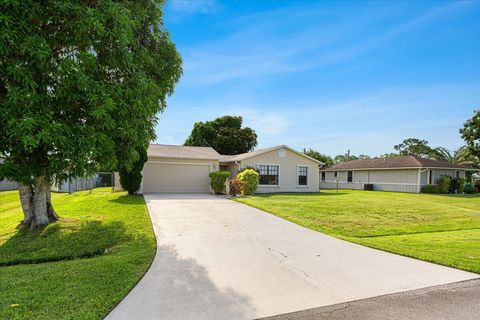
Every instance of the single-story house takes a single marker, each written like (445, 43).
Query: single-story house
(185, 169)
(402, 173)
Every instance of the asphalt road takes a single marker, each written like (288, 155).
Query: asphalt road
(456, 301)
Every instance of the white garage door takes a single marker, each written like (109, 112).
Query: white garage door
(176, 178)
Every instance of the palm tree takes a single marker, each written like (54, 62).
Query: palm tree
(460, 155)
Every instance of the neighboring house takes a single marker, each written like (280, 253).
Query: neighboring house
(186, 169)
(403, 173)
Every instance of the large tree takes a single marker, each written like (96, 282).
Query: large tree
(81, 83)
(415, 147)
(471, 134)
(224, 134)
(327, 160)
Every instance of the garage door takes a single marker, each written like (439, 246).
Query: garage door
(176, 178)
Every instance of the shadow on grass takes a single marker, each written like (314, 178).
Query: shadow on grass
(64, 240)
(129, 199)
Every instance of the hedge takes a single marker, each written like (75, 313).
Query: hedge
(249, 179)
(217, 180)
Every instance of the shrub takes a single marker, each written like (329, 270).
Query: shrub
(217, 180)
(249, 179)
(235, 186)
(476, 185)
(444, 184)
(469, 189)
(430, 188)
(247, 168)
(130, 179)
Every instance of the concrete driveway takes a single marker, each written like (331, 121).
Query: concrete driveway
(219, 259)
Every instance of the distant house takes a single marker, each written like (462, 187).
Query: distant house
(184, 169)
(402, 174)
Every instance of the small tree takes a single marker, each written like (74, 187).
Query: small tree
(444, 184)
(249, 179)
(131, 179)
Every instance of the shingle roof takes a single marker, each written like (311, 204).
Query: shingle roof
(182, 152)
(394, 162)
(247, 155)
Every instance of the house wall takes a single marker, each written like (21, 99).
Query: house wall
(288, 171)
(402, 180)
(399, 180)
(7, 185)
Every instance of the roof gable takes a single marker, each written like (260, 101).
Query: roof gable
(248, 155)
(182, 152)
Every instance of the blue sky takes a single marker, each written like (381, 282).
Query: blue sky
(330, 76)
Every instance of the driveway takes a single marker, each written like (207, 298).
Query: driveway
(219, 259)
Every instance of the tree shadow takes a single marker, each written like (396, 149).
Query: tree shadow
(64, 240)
(180, 288)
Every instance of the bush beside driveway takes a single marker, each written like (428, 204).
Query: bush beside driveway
(436, 228)
(80, 267)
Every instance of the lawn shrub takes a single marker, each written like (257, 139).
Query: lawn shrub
(469, 188)
(430, 188)
(444, 184)
(235, 186)
(217, 180)
(456, 185)
(249, 179)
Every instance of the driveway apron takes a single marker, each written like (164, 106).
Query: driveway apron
(219, 259)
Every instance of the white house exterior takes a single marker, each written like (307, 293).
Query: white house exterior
(185, 169)
(401, 174)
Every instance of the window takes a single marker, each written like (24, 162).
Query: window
(457, 174)
(323, 175)
(268, 175)
(302, 175)
(350, 176)
(335, 174)
(430, 176)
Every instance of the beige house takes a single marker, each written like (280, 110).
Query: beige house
(185, 169)
(402, 174)
(281, 168)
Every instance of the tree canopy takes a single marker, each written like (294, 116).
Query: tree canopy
(224, 134)
(471, 134)
(415, 147)
(81, 83)
(327, 160)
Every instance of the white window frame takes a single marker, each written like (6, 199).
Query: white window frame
(298, 175)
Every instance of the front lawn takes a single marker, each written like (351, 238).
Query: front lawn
(77, 268)
(438, 228)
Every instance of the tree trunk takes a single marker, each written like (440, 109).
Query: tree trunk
(26, 200)
(52, 215)
(37, 204)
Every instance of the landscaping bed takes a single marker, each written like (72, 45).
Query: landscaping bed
(443, 229)
(79, 267)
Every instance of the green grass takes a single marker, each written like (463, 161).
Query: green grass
(80, 267)
(437, 228)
